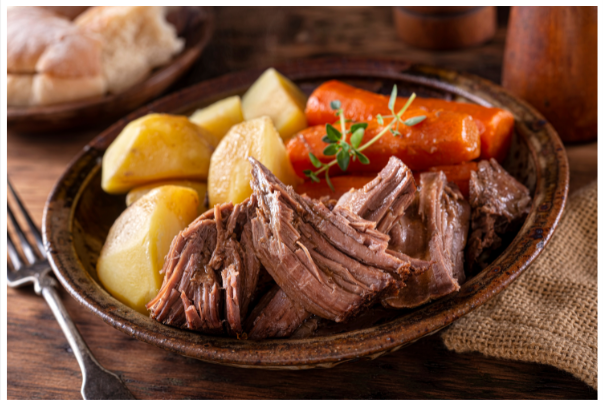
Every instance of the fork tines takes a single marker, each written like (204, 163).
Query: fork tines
(26, 246)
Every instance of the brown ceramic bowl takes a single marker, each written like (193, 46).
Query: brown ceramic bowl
(194, 24)
(79, 214)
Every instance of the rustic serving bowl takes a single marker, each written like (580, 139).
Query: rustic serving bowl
(78, 216)
(194, 24)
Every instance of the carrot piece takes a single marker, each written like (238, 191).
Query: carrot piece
(459, 174)
(443, 138)
(359, 104)
(341, 184)
(495, 125)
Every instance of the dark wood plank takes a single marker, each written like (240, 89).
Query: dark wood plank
(40, 362)
(41, 365)
(256, 37)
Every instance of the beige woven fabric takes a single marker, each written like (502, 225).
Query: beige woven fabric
(549, 315)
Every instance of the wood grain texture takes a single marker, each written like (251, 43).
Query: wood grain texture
(250, 37)
(40, 362)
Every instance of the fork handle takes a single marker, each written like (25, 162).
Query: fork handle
(97, 382)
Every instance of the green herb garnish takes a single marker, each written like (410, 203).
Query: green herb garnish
(344, 152)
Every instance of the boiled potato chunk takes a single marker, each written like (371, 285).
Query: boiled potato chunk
(219, 117)
(139, 240)
(199, 187)
(277, 97)
(230, 171)
(157, 147)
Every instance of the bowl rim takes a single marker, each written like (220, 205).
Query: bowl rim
(549, 199)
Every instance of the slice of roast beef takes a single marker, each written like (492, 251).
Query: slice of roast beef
(499, 205)
(434, 229)
(320, 259)
(384, 199)
(214, 251)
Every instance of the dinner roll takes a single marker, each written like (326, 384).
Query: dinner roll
(136, 39)
(66, 11)
(49, 59)
(19, 90)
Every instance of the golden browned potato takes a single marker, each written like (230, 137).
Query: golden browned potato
(230, 171)
(139, 240)
(199, 187)
(219, 117)
(157, 147)
(277, 97)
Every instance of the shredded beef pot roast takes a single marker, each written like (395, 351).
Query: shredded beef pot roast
(213, 252)
(325, 262)
(331, 261)
(381, 201)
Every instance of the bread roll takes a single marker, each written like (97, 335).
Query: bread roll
(136, 40)
(69, 12)
(49, 89)
(29, 31)
(66, 11)
(49, 59)
(19, 90)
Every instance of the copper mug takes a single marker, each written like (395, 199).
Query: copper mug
(551, 62)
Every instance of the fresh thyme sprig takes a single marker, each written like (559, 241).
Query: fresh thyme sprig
(345, 152)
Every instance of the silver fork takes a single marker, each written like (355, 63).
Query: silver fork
(97, 382)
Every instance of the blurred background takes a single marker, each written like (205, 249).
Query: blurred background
(256, 37)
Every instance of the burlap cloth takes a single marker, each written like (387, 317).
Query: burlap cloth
(549, 314)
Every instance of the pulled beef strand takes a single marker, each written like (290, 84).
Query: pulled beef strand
(211, 254)
(434, 229)
(190, 296)
(384, 199)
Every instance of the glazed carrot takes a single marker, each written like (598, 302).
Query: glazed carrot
(443, 138)
(495, 125)
(359, 104)
(459, 174)
(341, 184)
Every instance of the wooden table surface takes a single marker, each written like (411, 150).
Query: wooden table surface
(40, 362)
